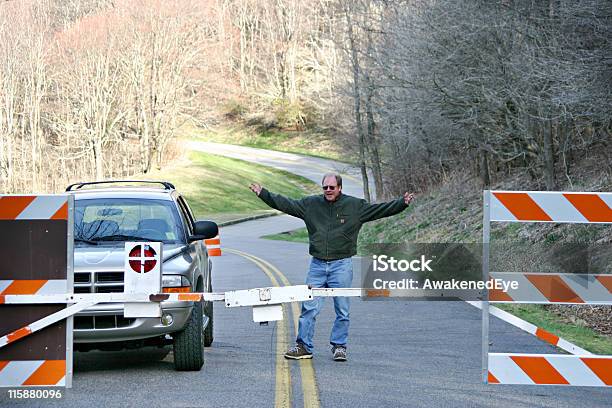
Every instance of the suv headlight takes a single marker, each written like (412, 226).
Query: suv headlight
(175, 283)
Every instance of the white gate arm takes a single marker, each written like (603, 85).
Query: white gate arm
(266, 302)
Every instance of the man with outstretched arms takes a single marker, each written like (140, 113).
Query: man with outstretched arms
(333, 221)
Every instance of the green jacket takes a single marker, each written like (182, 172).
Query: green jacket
(332, 226)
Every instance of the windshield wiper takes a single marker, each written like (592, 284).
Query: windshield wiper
(119, 237)
(87, 241)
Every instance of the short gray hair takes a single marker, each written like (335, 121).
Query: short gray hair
(335, 175)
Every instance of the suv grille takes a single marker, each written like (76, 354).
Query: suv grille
(98, 282)
(82, 277)
(101, 322)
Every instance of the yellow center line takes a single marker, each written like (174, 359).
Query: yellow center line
(309, 384)
(282, 387)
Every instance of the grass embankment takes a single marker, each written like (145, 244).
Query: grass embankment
(576, 333)
(216, 187)
(298, 235)
(309, 143)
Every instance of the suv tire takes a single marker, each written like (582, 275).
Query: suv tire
(208, 311)
(189, 343)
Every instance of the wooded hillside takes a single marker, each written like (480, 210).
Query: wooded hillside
(412, 90)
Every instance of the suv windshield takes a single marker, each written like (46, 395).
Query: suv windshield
(108, 220)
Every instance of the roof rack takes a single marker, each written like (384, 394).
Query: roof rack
(77, 186)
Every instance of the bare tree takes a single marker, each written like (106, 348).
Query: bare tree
(164, 42)
(414, 90)
(501, 85)
(91, 86)
(356, 72)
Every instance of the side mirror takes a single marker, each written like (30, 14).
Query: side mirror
(204, 230)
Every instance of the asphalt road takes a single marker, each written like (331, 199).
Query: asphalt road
(401, 354)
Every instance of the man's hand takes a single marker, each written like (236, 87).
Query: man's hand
(256, 188)
(408, 197)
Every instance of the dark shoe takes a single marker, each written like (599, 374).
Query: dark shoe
(298, 352)
(339, 353)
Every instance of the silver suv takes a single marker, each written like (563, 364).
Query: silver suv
(107, 214)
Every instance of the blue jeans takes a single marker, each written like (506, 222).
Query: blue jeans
(326, 274)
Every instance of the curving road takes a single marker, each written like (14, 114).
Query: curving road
(401, 354)
(310, 167)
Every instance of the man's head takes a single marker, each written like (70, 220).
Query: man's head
(332, 186)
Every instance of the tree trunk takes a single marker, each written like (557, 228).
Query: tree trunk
(566, 154)
(371, 124)
(357, 107)
(242, 28)
(98, 159)
(372, 141)
(484, 169)
(549, 156)
(145, 150)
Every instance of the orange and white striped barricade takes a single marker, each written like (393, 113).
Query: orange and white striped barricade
(36, 246)
(213, 246)
(581, 368)
(561, 288)
(550, 369)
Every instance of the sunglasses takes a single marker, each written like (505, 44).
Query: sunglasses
(329, 188)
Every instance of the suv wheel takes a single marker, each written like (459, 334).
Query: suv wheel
(208, 311)
(189, 343)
